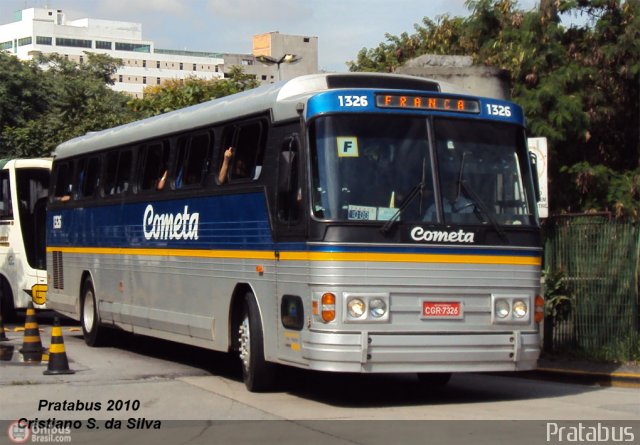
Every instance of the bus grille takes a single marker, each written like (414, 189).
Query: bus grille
(58, 272)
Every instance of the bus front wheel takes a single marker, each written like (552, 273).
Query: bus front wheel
(89, 318)
(257, 373)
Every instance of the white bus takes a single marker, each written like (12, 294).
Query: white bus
(364, 223)
(24, 188)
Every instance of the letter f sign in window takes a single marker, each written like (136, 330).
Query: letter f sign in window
(347, 146)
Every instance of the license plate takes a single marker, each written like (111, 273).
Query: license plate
(441, 310)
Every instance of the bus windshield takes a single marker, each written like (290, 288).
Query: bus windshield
(365, 166)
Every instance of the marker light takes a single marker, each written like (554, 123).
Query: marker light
(377, 307)
(328, 307)
(502, 308)
(356, 308)
(539, 304)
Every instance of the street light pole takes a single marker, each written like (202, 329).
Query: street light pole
(286, 58)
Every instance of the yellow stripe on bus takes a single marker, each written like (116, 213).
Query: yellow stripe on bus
(310, 256)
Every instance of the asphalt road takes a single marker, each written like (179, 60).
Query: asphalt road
(198, 396)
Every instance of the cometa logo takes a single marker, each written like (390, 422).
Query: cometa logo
(167, 226)
(436, 236)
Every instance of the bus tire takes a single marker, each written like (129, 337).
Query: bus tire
(257, 373)
(94, 334)
(7, 308)
(434, 378)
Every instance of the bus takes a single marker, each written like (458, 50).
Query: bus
(24, 190)
(338, 222)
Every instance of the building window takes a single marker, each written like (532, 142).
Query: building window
(181, 65)
(25, 41)
(81, 60)
(136, 47)
(101, 44)
(158, 64)
(157, 81)
(6, 45)
(75, 43)
(120, 78)
(194, 67)
(144, 64)
(246, 62)
(144, 80)
(264, 77)
(307, 40)
(42, 40)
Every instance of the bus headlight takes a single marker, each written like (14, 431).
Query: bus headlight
(363, 307)
(377, 307)
(511, 309)
(502, 308)
(519, 309)
(356, 308)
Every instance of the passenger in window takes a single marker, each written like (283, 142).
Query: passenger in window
(240, 170)
(162, 180)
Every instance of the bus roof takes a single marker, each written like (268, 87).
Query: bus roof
(279, 98)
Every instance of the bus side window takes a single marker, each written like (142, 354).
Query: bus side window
(64, 182)
(90, 178)
(154, 166)
(247, 141)
(192, 161)
(118, 172)
(6, 209)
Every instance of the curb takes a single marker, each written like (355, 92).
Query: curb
(581, 376)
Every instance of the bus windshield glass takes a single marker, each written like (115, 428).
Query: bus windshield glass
(364, 167)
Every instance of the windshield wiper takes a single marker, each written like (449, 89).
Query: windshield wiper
(415, 191)
(479, 203)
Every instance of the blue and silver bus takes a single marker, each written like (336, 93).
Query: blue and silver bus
(361, 223)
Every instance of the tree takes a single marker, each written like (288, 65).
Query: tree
(579, 86)
(175, 94)
(71, 100)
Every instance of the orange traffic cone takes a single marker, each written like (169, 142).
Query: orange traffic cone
(3, 336)
(31, 345)
(58, 362)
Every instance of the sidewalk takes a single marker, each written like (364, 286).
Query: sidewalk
(585, 371)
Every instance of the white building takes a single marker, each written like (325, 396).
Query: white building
(44, 30)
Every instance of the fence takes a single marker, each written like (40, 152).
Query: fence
(599, 259)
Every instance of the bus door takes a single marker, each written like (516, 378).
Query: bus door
(291, 229)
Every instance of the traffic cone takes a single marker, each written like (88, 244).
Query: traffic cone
(58, 362)
(3, 336)
(31, 345)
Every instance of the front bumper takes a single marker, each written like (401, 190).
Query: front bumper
(383, 352)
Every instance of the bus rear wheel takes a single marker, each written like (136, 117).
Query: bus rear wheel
(257, 373)
(94, 334)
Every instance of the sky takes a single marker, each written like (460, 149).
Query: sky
(343, 27)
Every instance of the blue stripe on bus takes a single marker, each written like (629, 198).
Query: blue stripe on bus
(238, 222)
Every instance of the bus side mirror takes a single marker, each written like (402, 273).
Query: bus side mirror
(534, 172)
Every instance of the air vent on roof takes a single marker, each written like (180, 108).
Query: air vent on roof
(380, 81)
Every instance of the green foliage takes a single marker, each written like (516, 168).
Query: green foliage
(598, 187)
(63, 101)
(175, 94)
(559, 301)
(579, 85)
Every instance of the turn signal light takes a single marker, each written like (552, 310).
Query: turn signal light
(539, 304)
(328, 301)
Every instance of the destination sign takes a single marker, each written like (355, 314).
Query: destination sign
(419, 102)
